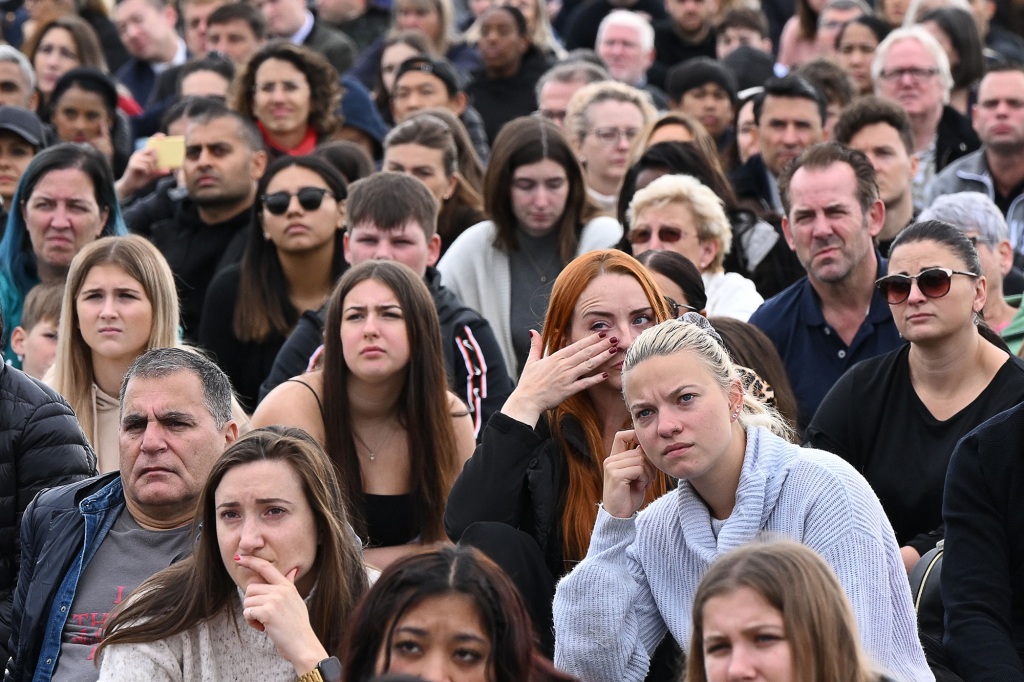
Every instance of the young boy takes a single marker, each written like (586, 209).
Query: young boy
(35, 340)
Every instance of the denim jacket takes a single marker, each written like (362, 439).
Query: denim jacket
(61, 531)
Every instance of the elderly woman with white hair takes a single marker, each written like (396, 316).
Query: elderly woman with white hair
(984, 224)
(911, 69)
(678, 213)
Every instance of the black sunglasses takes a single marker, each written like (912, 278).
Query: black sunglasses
(667, 235)
(310, 199)
(933, 283)
(679, 309)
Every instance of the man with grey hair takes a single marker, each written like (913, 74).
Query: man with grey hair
(833, 15)
(625, 43)
(911, 69)
(981, 220)
(17, 79)
(175, 413)
(559, 83)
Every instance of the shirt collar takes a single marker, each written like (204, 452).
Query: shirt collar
(307, 27)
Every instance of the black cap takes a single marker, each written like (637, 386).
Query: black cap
(750, 65)
(23, 123)
(441, 68)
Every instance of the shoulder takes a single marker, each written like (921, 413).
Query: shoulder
(468, 247)
(781, 311)
(296, 402)
(21, 392)
(69, 496)
(602, 232)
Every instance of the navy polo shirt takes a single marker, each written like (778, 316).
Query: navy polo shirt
(812, 351)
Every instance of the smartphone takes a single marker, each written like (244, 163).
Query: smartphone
(170, 150)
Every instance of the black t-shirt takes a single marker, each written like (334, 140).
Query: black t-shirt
(874, 419)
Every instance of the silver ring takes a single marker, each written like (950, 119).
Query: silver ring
(248, 613)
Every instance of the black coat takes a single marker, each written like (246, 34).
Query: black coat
(955, 138)
(41, 446)
(517, 477)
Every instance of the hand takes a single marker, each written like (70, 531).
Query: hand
(547, 381)
(102, 141)
(627, 476)
(910, 557)
(141, 170)
(275, 607)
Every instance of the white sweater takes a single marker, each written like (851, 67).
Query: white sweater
(212, 651)
(640, 574)
(479, 273)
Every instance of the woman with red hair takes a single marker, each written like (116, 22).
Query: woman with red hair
(528, 497)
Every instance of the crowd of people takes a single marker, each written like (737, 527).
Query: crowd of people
(512, 340)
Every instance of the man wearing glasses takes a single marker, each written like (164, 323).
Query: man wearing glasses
(834, 317)
(911, 69)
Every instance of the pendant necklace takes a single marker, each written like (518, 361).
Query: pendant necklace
(373, 451)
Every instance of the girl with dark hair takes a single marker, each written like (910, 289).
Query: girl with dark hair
(294, 255)
(423, 146)
(856, 43)
(293, 95)
(65, 200)
(740, 477)
(395, 49)
(83, 108)
(449, 604)
(915, 403)
(541, 218)
(242, 606)
(958, 35)
(381, 409)
(505, 87)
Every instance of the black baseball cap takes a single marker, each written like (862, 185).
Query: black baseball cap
(23, 123)
(441, 68)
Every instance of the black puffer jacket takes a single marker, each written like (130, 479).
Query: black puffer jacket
(41, 446)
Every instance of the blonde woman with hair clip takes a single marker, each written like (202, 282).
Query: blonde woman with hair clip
(740, 476)
(120, 301)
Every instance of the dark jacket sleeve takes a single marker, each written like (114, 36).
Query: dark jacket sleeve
(981, 565)
(294, 356)
(50, 450)
(29, 550)
(492, 485)
(481, 379)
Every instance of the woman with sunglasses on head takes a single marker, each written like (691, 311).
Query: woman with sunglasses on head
(293, 257)
(915, 403)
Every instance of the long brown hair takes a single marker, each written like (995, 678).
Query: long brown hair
(196, 588)
(817, 617)
(521, 142)
(423, 404)
(585, 483)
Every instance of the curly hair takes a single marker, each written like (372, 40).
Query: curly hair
(324, 86)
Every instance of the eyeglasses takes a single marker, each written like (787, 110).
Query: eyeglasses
(666, 235)
(310, 199)
(917, 75)
(554, 115)
(610, 136)
(679, 309)
(978, 239)
(933, 283)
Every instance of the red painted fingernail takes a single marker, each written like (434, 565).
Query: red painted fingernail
(613, 350)
(604, 374)
(603, 334)
(238, 557)
(614, 340)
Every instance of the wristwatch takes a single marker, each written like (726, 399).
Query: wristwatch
(327, 670)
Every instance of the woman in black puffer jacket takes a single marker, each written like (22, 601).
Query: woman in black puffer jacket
(41, 446)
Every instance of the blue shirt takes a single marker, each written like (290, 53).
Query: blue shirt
(814, 354)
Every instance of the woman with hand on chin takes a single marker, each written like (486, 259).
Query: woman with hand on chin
(740, 477)
(273, 578)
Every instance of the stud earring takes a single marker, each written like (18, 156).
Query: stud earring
(266, 236)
